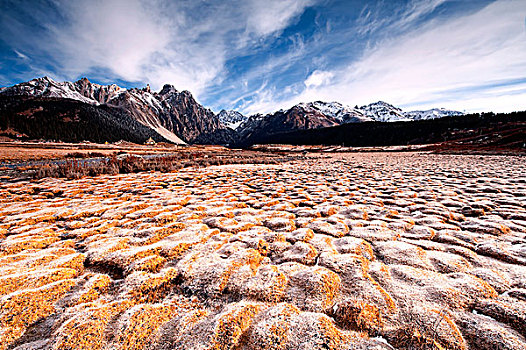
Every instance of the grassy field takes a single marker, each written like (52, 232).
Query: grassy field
(321, 250)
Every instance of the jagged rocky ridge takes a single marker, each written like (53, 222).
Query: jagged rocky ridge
(173, 115)
(318, 115)
(69, 121)
(177, 117)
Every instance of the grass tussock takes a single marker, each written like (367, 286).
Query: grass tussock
(76, 168)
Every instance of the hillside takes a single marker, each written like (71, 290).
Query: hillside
(69, 121)
(502, 130)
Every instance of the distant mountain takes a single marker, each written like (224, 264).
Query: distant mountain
(343, 114)
(177, 117)
(384, 112)
(174, 115)
(431, 114)
(319, 114)
(299, 117)
(82, 90)
(475, 132)
(231, 119)
(379, 111)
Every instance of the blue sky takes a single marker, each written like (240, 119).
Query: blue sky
(260, 56)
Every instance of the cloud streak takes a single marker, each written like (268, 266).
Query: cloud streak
(185, 43)
(450, 63)
(261, 56)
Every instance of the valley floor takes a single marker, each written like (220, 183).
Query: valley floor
(328, 251)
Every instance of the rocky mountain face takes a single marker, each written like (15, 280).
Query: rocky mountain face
(68, 120)
(174, 115)
(82, 90)
(432, 114)
(299, 117)
(177, 117)
(344, 114)
(384, 112)
(319, 114)
(231, 119)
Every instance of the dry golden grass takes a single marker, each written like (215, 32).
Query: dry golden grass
(321, 253)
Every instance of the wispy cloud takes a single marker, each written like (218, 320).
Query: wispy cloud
(374, 18)
(259, 56)
(20, 55)
(439, 63)
(318, 78)
(185, 43)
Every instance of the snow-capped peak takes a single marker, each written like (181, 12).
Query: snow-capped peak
(231, 119)
(383, 112)
(342, 113)
(432, 114)
(82, 90)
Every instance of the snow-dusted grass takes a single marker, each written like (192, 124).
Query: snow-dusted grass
(347, 251)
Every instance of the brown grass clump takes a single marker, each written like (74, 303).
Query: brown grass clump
(86, 330)
(140, 322)
(231, 325)
(311, 288)
(9, 334)
(151, 263)
(14, 282)
(32, 259)
(14, 246)
(389, 301)
(273, 332)
(426, 329)
(75, 168)
(508, 312)
(269, 284)
(146, 288)
(332, 336)
(359, 316)
(21, 309)
(252, 258)
(96, 285)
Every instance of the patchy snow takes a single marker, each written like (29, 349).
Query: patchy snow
(231, 119)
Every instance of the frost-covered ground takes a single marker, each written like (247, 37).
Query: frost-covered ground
(347, 251)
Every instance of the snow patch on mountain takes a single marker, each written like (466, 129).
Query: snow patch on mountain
(384, 112)
(82, 90)
(344, 114)
(432, 114)
(231, 119)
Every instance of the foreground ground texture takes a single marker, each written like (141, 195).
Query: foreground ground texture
(353, 251)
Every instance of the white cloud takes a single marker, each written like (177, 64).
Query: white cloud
(262, 101)
(21, 55)
(185, 43)
(266, 17)
(418, 9)
(373, 19)
(120, 36)
(318, 78)
(444, 63)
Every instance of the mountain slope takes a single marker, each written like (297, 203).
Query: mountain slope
(177, 117)
(299, 117)
(384, 112)
(174, 115)
(231, 119)
(466, 127)
(343, 114)
(68, 120)
(82, 90)
(431, 114)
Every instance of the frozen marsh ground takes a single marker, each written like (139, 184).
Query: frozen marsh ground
(342, 251)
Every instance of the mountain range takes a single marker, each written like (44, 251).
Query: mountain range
(111, 112)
